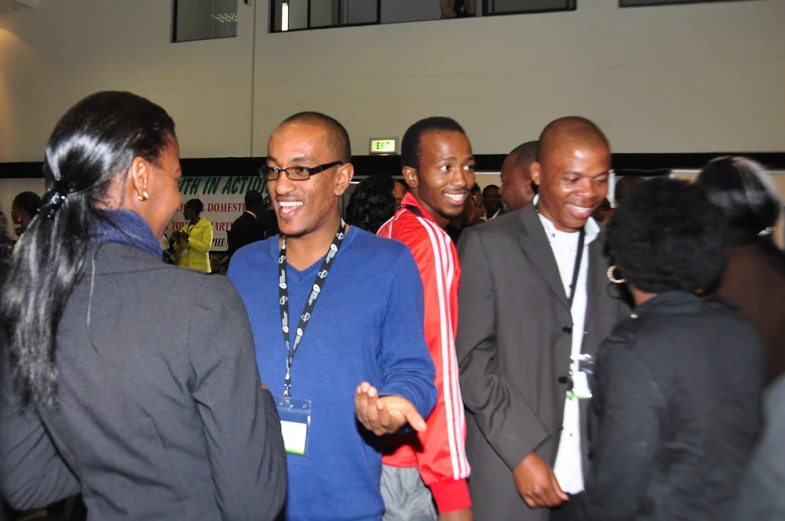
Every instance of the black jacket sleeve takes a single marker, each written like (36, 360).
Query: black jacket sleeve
(239, 418)
(32, 473)
(625, 433)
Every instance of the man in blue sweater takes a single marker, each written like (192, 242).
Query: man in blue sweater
(356, 365)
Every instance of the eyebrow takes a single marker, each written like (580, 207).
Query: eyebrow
(302, 159)
(452, 158)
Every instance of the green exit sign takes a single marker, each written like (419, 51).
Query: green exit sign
(386, 145)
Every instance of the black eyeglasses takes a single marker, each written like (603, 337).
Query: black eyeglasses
(295, 173)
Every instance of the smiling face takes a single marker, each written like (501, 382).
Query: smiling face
(445, 175)
(311, 205)
(573, 181)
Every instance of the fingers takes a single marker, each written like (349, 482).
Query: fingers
(367, 409)
(361, 406)
(548, 494)
(557, 489)
(415, 420)
(386, 421)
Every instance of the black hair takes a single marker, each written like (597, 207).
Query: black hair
(410, 144)
(92, 144)
(476, 189)
(743, 190)
(372, 203)
(196, 205)
(339, 137)
(624, 184)
(667, 236)
(29, 202)
(488, 189)
(253, 198)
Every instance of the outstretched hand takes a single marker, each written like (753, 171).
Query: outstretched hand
(387, 414)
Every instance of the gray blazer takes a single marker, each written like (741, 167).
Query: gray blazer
(513, 345)
(161, 414)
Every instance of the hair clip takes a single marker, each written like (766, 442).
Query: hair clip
(52, 201)
(766, 231)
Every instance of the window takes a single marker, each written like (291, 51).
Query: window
(203, 19)
(638, 3)
(292, 15)
(526, 6)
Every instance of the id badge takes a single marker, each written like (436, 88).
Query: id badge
(185, 251)
(295, 418)
(580, 386)
(583, 366)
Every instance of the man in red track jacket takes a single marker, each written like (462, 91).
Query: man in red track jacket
(438, 167)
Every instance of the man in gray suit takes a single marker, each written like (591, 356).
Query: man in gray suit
(526, 338)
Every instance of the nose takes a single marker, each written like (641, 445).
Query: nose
(281, 186)
(462, 178)
(592, 191)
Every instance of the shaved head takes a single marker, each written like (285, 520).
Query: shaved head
(524, 154)
(572, 132)
(572, 168)
(338, 137)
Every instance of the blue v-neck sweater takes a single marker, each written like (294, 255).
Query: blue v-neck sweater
(367, 326)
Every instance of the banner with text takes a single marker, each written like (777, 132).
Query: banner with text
(224, 201)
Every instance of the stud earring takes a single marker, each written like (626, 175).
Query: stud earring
(612, 277)
(143, 197)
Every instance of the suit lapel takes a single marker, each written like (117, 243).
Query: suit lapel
(536, 247)
(597, 276)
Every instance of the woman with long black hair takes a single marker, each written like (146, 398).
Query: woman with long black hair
(754, 275)
(99, 396)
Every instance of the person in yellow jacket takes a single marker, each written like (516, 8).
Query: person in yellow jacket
(194, 241)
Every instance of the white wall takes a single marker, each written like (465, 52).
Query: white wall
(55, 54)
(685, 78)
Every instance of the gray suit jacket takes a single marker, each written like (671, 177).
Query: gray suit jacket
(513, 345)
(160, 414)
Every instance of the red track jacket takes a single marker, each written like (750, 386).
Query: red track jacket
(440, 454)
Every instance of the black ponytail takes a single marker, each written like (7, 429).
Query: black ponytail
(92, 143)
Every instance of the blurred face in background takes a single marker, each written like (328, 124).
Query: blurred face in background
(399, 192)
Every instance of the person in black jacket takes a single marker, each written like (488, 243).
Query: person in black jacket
(109, 386)
(6, 250)
(677, 386)
(249, 227)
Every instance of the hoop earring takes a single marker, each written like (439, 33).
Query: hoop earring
(611, 276)
(143, 197)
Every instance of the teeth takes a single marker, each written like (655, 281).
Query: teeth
(289, 204)
(580, 209)
(456, 197)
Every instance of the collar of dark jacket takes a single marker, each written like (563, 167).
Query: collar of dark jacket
(670, 302)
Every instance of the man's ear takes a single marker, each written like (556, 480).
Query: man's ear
(536, 172)
(343, 178)
(410, 176)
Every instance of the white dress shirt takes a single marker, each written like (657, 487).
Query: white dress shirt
(569, 461)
